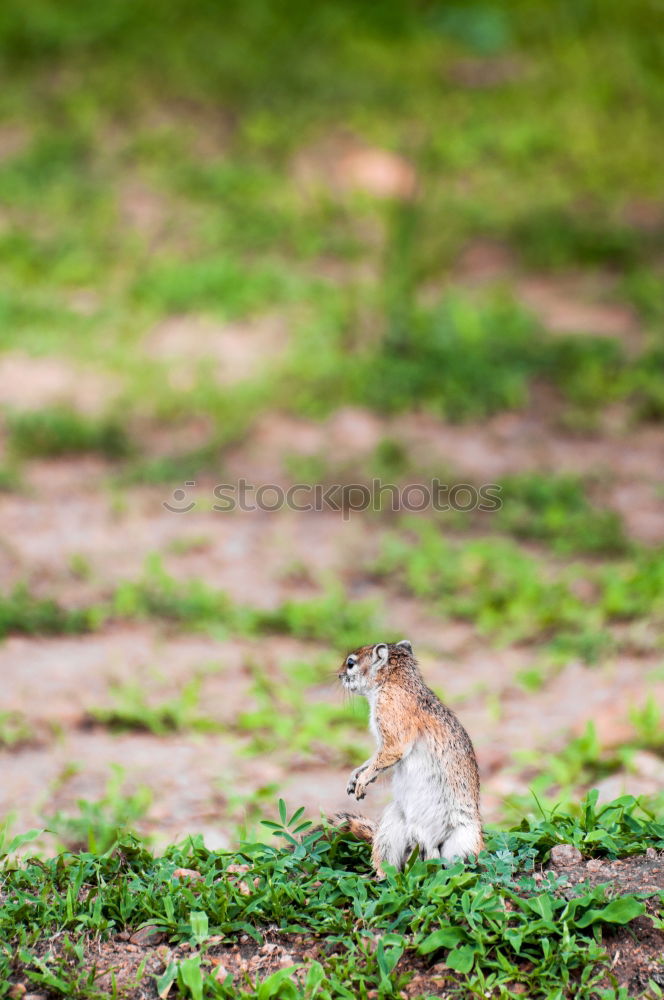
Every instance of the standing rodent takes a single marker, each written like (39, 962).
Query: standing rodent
(435, 775)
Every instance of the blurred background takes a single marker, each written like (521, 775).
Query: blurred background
(325, 243)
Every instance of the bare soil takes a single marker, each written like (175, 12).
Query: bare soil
(70, 512)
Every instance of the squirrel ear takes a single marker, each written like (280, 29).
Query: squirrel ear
(407, 645)
(380, 654)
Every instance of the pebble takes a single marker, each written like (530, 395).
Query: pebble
(651, 853)
(148, 935)
(565, 855)
(594, 864)
(188, 873)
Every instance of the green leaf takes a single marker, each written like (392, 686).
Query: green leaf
(20, 840)
(282, 811)
(315, 977)
(461, 959)
(165, 981)
(272, 986)
(619, 911)
(199, 925)
(445, 937)
(296, 815)
(190, 977)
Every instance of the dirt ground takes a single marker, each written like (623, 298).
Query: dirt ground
(69, 512)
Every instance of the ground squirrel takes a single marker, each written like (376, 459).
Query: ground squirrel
(435, 775)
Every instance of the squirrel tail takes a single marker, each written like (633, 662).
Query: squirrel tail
(360, 826)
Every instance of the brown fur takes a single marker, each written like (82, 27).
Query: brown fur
(406, 711)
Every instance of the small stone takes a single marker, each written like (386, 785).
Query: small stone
(190, 873)
(17, 991)
(651, 853)
(220, 973)
(148, 935)
(594, 864)
(286, 960)
(565, 855)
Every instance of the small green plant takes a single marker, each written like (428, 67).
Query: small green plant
(561, 776)
(489, 922)
(80, 566)
(492, 582)
(22, 612)
(510, 593)
(555, 509)
(99, 825)
(15, 730)
(218, 282)
(648, 725)
(63, 431)
(132, 708)
(330, 617)
(159, 595)
(10, 478)
(288, 719)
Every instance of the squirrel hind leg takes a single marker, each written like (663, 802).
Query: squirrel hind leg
(463, 842)
(392, 845)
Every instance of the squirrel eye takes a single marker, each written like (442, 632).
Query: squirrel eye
(350, 662)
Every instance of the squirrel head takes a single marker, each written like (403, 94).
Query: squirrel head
(367, 668)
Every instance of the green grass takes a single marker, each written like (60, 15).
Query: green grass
(23, 613)
(132, 709)
(491, 924)
(289, 715)
(62, 431)
(208, 139)
(559, 778)
(97, 825)
(15, 730)
(329, 617)
(556, 510)
(502, 588)
(514, 595)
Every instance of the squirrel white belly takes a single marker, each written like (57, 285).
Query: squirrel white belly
(435, 775)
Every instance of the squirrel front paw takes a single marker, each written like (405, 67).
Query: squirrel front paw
(360, 790)
(352, 781)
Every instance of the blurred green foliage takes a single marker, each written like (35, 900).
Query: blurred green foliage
(163, 146)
